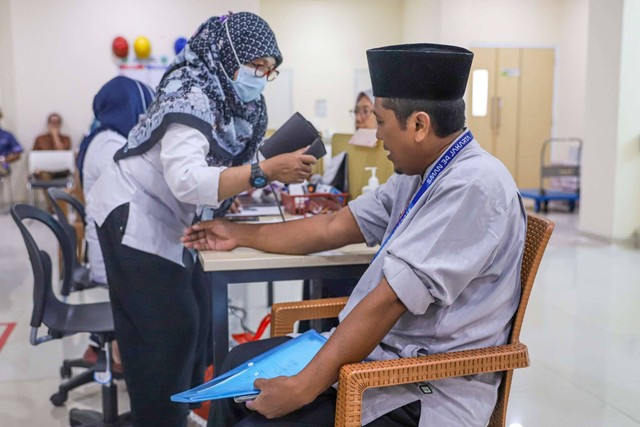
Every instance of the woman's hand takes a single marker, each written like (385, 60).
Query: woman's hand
(215, 235)
(236, 206)
(289, 167)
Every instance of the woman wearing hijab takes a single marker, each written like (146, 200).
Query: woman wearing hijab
(189, 155)
(363, 112)
(116, 108)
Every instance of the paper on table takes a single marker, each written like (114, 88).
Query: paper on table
(287, 359)
(255, 211)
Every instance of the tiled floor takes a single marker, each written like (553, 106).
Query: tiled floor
(582, 328)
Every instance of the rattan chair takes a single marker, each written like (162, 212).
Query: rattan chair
(355, 378)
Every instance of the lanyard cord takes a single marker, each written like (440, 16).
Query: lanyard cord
(441, 164)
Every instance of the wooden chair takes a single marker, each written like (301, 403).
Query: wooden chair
(355, 378)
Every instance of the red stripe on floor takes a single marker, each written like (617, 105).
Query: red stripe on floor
(8, 328)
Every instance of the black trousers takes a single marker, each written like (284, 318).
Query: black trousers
(160, 315)
(320, 412)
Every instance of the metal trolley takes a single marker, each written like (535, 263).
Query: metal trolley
(559, 174)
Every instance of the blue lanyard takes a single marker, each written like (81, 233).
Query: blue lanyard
(442, 163)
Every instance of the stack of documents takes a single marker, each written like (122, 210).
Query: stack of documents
(287, 359)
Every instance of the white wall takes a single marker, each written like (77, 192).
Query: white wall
(422, 21)
(324, 42)
(601, 118)
(571, 70)
(560, 24)
(627, 193)
(6, 70)
(611, 194)
(8, 100)
(62, 51)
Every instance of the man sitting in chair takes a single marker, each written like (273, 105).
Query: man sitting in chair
(451, 230)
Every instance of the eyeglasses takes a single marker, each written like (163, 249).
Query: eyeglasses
(262, 71)
(366, 112)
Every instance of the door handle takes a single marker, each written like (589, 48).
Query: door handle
(498, 113)
(494, 113)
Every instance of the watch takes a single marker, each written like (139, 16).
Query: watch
(258, 178)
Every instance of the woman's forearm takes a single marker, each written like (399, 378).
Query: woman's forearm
(234, 181)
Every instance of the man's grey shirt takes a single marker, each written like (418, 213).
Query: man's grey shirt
(454, 262)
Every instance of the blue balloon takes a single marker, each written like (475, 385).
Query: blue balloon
(180, 43)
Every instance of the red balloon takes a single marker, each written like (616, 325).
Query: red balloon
(120, 47)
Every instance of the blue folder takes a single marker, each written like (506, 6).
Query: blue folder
(287, 359)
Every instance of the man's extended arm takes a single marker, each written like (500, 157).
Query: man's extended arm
(303, 236)
(352, 341)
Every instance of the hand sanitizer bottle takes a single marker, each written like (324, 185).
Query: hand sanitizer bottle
(373, 180)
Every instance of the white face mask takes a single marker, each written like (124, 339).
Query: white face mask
(248, 87)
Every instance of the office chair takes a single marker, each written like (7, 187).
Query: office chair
(355, 378)
(54, 161)
(63, 319)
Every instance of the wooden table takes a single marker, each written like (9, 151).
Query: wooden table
(245, 265)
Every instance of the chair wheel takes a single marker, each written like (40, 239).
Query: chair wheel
(65, 371)
(59, 398)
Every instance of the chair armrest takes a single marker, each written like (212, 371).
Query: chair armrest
(284, 315)
(355, 378)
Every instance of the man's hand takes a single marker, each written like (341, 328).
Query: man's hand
(279, 396)
(53, 129)
(215, 235)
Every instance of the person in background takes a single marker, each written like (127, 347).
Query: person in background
(53, 139)
(116, 108)
(451, 228)
(363, 111)
(364, 119)
(186, 159)
(10, 150)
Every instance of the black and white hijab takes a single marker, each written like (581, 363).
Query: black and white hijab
(196, 92)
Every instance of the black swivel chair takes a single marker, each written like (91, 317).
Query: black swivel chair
(63, 319)
(81, 276)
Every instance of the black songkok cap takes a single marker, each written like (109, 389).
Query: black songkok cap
(419, 71)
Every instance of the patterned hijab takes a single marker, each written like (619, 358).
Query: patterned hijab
(195, 92)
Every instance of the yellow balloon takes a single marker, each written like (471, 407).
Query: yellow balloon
(142, 47)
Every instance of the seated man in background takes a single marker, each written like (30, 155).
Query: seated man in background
(53, 139)
(10, 150)
(451, 230)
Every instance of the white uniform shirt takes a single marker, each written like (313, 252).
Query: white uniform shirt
(163, 187)
(455, 264)
(98, 158)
